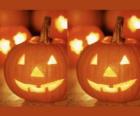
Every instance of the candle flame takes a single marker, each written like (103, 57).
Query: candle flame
(76, 46)
(134, 23)
(92, 38)
(4, 46)
(61, 23)
(20, 38)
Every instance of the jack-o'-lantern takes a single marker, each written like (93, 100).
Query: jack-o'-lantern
(59, 22)
(109, 70)
(84, 18)
(36, 70)
(11, 36)
(79, 37)
(14, 18)
(131, 25)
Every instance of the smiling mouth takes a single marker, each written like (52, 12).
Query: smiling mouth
(112, 88)
(42, 88)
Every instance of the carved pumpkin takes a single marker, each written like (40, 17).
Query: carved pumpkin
(84, 18)
(11, 36)
(59, 22)
(39, 72)
(80, 37)
(14, 18)
(131, 25)
(109, 70)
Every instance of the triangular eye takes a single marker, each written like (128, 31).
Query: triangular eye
(21, 60)
(52, 60)
(124, 60)
(94, 60)
(36, 72)
(109, 72)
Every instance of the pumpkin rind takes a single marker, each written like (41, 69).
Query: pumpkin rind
(36, 70)
(109, 69)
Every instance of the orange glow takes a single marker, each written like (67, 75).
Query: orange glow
(61, 23)
(109, 73)
(114, 88)
(22, 60)
(5, 46)
(20, 38)
(35, 89)
(37, 73)
(94, 60)
(52, 60)
(92, 38)
(76, 46)
(133, 23)
(124, 60)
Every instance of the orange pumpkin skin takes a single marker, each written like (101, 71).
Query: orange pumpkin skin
(129, 31)
(110, 55)
(36, 55)
(37, 19)
(40, 68)
(13, 18)
(79, 34)
(84, 18)
(108, 70)
(11, 34)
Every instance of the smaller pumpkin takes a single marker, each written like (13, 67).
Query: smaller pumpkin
(59, 22)
(109, 69)
(84, 18)
(14, 18)
(39, 68)
(11, 36)
(79, 37)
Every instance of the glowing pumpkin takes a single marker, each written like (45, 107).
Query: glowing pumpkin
(108, 70)
(59, 22)
(80, 37)
(39, 72)
(131, 25)
(11, 36)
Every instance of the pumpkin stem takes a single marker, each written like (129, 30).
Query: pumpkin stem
(118, 35)
(44, 36)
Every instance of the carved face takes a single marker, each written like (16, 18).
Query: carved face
(109, 72)
(37, 75)
(11, 36)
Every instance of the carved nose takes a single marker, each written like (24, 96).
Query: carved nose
(109, 72)
(36, 72)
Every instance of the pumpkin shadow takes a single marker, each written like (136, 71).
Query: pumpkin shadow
(45, 104)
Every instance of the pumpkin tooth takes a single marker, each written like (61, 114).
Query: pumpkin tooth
(36, 89)
(119, 89)
(110, 86)
(101, 89)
